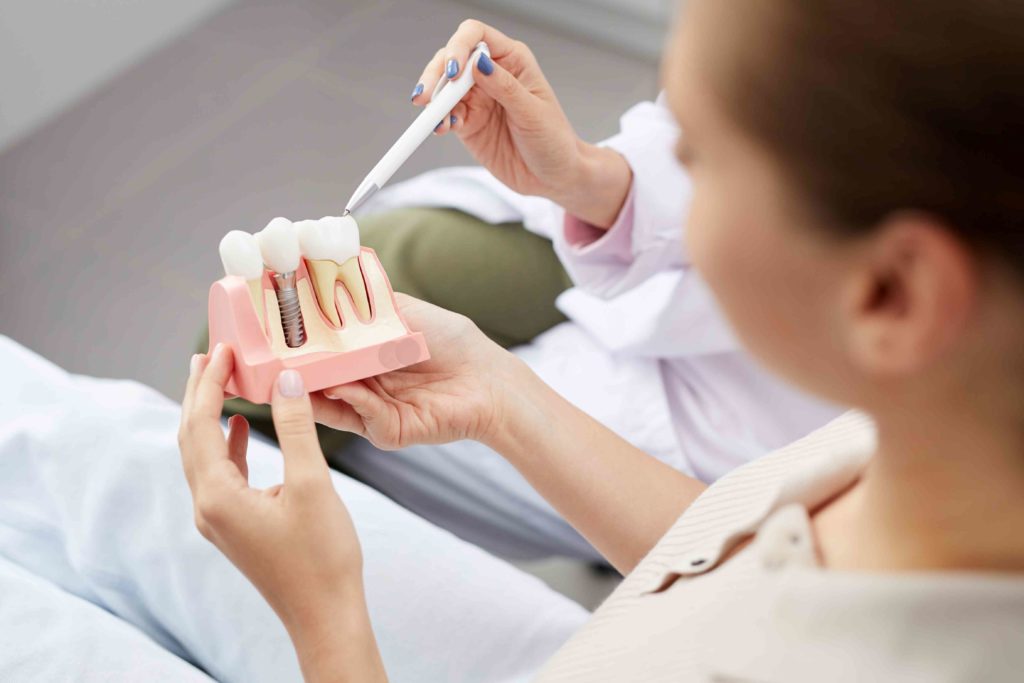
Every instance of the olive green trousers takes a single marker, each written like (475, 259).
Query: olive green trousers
(502, 277)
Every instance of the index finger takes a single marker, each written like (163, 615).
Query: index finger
(208, 401)
(195, 369)
(464, 40)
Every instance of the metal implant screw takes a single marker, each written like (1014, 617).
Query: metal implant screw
(291, 312)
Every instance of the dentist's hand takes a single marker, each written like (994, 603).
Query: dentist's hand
(294, 541)
(512, 123)
(460, 393)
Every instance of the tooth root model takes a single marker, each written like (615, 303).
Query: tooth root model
(240, 254)
(342, 345)
(331, 248)
(279, 246)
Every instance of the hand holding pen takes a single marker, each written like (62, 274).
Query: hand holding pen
(489, 90)
(513, 124)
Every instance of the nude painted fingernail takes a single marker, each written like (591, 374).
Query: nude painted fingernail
(289, 383)
(194, 363)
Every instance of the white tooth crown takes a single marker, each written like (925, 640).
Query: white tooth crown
(279, 246)
(332, 238)
(240, 254)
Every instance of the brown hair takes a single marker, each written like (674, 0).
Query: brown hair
(873, 106)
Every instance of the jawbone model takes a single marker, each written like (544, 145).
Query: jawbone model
(332, 315)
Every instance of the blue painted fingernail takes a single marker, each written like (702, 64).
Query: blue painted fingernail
(452, 120)
(417, 91)
(485, 64)
(452, 68)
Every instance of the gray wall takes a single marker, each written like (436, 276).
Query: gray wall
(636, 26)
(54, 51)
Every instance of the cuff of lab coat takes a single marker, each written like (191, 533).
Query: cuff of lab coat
(584, 239)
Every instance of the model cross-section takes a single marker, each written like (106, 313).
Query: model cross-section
(306, 296)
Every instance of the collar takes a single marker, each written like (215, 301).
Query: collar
(793, 621)
(820, 476)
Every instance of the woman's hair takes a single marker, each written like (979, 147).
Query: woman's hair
(873, 106)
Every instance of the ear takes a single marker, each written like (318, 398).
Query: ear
(914, 291)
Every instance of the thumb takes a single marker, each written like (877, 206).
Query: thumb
(296, 431)
(499, 83)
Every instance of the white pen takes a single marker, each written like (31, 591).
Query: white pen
(446, 95)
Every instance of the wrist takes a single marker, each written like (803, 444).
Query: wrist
(598, 187)
(520, 414)
(338, 644)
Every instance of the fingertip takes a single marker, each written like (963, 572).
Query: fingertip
(451, 69)
(484, 64)
(333, 393)
(221, 355)
(290, 384)
(216, 371)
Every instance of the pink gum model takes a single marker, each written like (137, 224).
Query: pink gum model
(233, 321)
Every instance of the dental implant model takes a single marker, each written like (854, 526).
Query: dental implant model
(336, 319)
(280, 249)
(240, 254)
(331, 249)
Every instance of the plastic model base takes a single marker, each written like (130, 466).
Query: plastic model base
(332, 354)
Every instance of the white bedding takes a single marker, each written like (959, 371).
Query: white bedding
(94, 509)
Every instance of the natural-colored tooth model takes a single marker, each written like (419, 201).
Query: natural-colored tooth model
(240, 254)
(331, 248)
(339, 277)
(279, 246)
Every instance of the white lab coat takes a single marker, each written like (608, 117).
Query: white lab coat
(722, 410)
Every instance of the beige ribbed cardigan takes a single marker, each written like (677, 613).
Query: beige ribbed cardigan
(770, 613)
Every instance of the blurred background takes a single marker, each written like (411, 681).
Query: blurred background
(135, 133)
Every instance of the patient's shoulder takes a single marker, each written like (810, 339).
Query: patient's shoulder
(748, 491)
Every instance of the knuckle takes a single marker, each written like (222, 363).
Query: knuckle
(210, 512)
(203, 526)
(309, 485)
(465, 325)
(524, 55)
(471, 25)
(186, 431)
(508, 85)
(292, 422)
